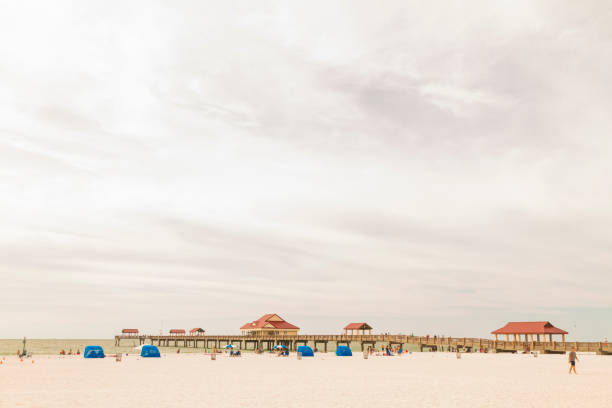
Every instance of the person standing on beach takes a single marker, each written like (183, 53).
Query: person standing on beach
(572, 360)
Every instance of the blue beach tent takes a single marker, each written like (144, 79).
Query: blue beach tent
(93, 352)
(343, 351)
(306, 351)
(149, 351)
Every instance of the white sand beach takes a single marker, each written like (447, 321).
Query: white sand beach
(417, 379)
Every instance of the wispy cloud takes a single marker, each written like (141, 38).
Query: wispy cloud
(424, 168)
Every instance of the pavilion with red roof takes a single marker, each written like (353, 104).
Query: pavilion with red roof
(529, 329)
(269, 324)
(357, 326)
(130, 332)
(177, 332)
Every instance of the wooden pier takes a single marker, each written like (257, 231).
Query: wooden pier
(361, 342)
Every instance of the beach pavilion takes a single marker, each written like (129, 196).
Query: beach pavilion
(529, 330)
(269, 325)
(130, 332)
(177, 332)
(197, 331)
(357, 326)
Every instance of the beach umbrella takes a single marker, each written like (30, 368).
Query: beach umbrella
(279, 346)
(229, 346)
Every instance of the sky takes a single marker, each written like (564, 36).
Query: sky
(438, 168)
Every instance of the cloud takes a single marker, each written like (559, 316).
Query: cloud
(417, 166)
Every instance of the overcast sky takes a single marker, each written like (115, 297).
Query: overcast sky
(438, 169)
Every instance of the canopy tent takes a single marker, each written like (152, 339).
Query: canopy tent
(149, 351)
(93, 352)
(306, 351)
(343, 351)
(229, 346)
(279, 346)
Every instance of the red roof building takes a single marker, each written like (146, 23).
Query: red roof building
(129, 331)
(529, 329)
(177, 332)
(197, 331)
(357, 326)
(270, 324)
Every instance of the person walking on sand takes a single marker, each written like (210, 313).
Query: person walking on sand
(572, 358)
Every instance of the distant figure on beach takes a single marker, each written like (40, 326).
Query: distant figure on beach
(572, 358)
(606, 341)
(178, 351)
(63, 352)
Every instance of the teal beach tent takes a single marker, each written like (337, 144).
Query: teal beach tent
(149, 351)
(93, 352)
(306, 351)
(343, 351)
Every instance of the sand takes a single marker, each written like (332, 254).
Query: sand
(418, 379)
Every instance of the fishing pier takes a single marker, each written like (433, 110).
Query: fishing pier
(362, 342)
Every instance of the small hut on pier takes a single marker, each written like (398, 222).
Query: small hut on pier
(529, 330)
(177, 332)
(197, 331)
(129, 332)
(357, 326)
(268, 325)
